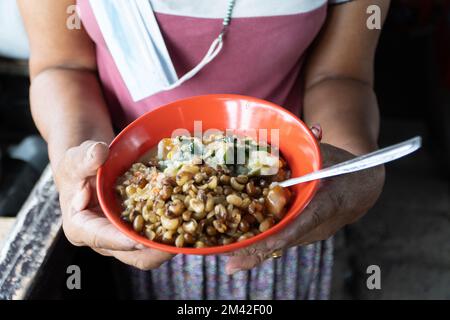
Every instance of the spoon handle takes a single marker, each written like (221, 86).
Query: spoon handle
(360, 163)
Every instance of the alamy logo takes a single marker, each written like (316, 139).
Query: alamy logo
(374, 280)
(374, 20)
(74, 279)
(73, 21)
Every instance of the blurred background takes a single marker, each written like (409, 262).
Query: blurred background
(407, 234)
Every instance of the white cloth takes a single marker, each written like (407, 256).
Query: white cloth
(135, 42)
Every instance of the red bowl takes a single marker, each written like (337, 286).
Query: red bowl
(222, 111)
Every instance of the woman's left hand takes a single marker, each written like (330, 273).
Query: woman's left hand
(339, 201)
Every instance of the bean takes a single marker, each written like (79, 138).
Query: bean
(187, 199)
(212, 183)
(179, 241)
(201, 226)
(211, 241)
(259, 216)
(242, 179)
(133, 215)
(245, 236)
(168, 237)
(224, 240)
(221, 211)
(138, 223)
(197, 206)
(234, 200)
(199, 244)
(190, 168)
(130, 190)
(254, 207)
(151, 217)
(235, 218)
(187, 215)
(266, 224)
(230, 208)
(219, 199)
(227, 190)
(159, 231)
(200, 215)
(250, 188)
(159, 204)
(190, 226)
(169, 224)
(245, 203)
(183, 177)
(220, 226)
(210, 230)
(209, 206)
(224, 179)
(201, 195)
(244, 226)
(208, 170)
(192, 193)
(199, 177)
(176, 208)
(187, 186)
(219, 190)
(177, 189)
(188, 238)
(177, 196)
(150, 234)
(203, 187)
(236, 185)
(169, 181)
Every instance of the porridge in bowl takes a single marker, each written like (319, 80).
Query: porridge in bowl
(204, 192)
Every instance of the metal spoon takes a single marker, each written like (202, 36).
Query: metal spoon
(366, 161)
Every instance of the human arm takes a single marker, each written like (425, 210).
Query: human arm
(71, 114)
(339, 96)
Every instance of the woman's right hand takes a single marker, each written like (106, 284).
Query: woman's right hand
(83, 221)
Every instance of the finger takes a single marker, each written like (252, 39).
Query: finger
(82, 198)
(240, 263)
(103, 252)
(83, 161)
(319, 210)
(91, 229)
(316, 129)
(144, 259)
(322, 232)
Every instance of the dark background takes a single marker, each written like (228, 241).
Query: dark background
(407, 233)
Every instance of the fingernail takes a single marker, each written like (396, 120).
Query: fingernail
(231, 271)
(140, 246)
(91, 149)
(317, 130)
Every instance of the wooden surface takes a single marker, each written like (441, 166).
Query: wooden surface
(30, 241)
(5, 227)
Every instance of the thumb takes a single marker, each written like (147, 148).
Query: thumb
(240, 263)
(83, 161)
